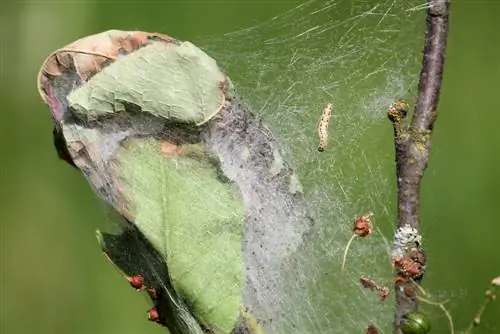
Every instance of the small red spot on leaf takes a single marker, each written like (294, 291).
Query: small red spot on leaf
(137, 282)
(153, 314)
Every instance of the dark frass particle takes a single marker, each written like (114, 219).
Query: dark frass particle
(415, 322)
(152, 293)
(122, 52)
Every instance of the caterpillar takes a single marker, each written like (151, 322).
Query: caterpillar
(323, 127)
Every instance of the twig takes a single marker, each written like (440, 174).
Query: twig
(412, 145)
(490, 296)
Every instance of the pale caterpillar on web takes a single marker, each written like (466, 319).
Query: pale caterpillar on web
(323, 127)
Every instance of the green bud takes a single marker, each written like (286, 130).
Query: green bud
(416, 322)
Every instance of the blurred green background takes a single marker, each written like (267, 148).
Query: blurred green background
(53, 276)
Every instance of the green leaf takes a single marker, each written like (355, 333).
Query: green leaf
(175, 81)
(133, 254)
(194, 219)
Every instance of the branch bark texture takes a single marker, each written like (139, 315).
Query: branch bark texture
(412, 152)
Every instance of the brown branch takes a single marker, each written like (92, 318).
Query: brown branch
(412, 153)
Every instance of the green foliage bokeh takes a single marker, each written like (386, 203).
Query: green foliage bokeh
(53, 277)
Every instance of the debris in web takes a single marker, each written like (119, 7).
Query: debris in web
(362, 227)
(371, 330)
(369, 283)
